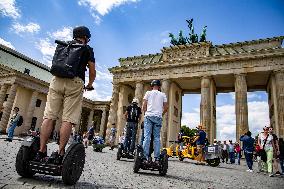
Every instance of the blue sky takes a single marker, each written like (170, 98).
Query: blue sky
(122, 28)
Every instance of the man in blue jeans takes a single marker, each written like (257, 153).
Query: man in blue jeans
(248, 147)
(155, 106)
(13, 124)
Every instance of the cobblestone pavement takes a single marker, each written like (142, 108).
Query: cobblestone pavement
(102, 170)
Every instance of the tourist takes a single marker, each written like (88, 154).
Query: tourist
(85, 140)
(276, 152)
(265, 141)
(231, 152)
(155, 106)
(133, 116)
(238, 152)
(66, 94)
(180, 140)
(225, 150)
(91, 133)
(215, 142)
(248, 147)
(200, 144)
(112, 137)
(281, 155)
(13, 124)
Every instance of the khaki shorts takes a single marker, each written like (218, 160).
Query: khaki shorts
(67, 95)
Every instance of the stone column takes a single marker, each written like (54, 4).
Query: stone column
(112, 118)
(279, 80)
(103, 122)
(3, 92)
(90, 119)
(8, 107)
(30, 112)
(205, 105)
(241, 105)
(139, 92)
(213, 111)
(165, 89)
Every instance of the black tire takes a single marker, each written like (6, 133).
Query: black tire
(73, 164)
(137, 161)
(181, 158)
(22, 162)
(119, 153)
(213, 162)
(163, 163)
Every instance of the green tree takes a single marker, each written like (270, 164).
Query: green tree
(187, 131)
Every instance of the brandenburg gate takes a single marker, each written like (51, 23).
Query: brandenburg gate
(256, 65)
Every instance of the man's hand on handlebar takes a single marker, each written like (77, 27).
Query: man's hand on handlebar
(89, 87)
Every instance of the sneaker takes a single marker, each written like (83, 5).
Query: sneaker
(40, 156)
(250, 170)
(271, 175)
(57, 158)
(278, 173)
(8, 140)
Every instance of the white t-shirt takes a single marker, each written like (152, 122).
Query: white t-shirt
(269, 141)
(155, 102)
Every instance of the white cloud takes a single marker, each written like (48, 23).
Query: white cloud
(30, 28)
(64, 34)
(258, 117)
(102, 7)
(6, 43)
(101, 92)
(165, 37)
(9, 9)
(47, 49)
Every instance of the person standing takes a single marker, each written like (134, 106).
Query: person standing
(281, 155)
(132, 115)
(13, 124)
(66, 92)
(276, 152)
(238, 152)
(231, 152)
(200, 143)
(225, 149)
(248, 147)
(180, 140)
(112, 136)
(265, 142)
(155, 106)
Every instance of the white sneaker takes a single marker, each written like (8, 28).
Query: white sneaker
(271, 175)
(250, 170)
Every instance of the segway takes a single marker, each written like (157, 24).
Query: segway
(162, 167)
(121, 153)
(70, 169)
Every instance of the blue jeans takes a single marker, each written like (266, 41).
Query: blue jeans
(152, 123)
(130, 137)
(239, 158)
(142, 137)
(249, 159)
(11, 130)
(232, 157)
(282, 165)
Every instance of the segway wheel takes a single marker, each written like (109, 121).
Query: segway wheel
(213, 162)
(73, 164)
(163, 163)
(137, 163)
(119, 153)
(22, 162)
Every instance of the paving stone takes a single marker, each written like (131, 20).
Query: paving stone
(102, 170)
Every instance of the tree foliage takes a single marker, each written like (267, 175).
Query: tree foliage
(192, 38)
(187, 131)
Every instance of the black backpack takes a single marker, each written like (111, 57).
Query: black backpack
(20, 121)
(133, 113)
(66, 59)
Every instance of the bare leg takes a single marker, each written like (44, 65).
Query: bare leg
(65, 132)
(46, 129)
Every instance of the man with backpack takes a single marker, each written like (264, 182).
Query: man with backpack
(133, 115)
(66, 89)
(16, 120)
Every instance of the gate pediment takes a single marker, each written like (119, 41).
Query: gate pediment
(187, 51)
